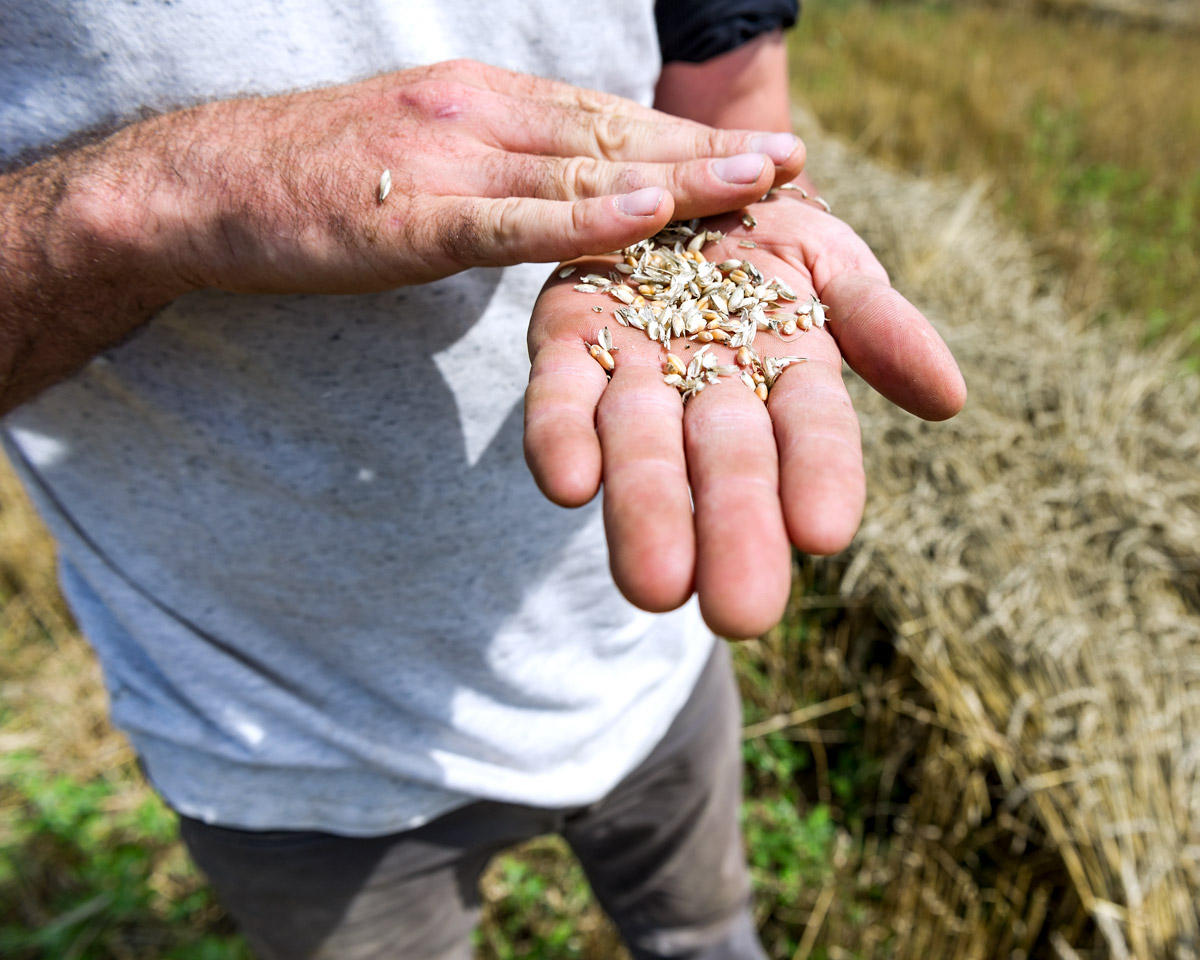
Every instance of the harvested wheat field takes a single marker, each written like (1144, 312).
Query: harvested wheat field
(1035, 560)
(1013, 641)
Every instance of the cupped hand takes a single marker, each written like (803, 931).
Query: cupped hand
(706, 497)
(487, 167)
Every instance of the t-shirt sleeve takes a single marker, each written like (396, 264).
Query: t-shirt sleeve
(697, 30)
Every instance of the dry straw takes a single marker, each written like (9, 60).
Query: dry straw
(1036, 560)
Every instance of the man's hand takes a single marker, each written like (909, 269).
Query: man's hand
(707, 497)
(488, 167)
(282, 195)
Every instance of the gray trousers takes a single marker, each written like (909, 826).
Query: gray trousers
(662, 852)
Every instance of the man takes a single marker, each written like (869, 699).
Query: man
(272, 420)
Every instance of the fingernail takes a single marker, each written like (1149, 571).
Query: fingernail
(777, 146)
(640, 203)
(744, 168)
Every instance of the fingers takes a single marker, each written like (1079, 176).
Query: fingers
(743, 565)
(822, 483)
(647, 511)
(699, 187)
(561, 446)
(624, 132)
(759, 476)
(887, 341)
(474, 231)
(528, 114)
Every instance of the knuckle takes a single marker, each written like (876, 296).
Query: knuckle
(611, 136)
(576, 178)
(715, 143)
(682, 178)
(594, 101)
(580, 221)
(503, 232)
(461, 237)
(437, 99)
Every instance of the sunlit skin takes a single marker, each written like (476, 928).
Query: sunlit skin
(280, 195)
(761, 476)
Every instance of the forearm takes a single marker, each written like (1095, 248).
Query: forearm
(282, 195)
(80, 261)
(95, 240)
(746, 87)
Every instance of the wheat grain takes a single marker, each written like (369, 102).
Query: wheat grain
(681, 294)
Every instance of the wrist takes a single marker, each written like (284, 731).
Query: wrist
(123, 217)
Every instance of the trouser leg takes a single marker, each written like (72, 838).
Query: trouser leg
(663, 853)
(315, 896)
(663, 850)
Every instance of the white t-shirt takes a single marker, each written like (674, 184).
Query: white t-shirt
(299, 530)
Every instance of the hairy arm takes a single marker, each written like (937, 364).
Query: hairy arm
(282, 195)
(80, 270)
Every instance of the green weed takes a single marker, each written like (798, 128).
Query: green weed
(83, 876)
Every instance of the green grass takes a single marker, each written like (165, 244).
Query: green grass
(84, 876)
(537, 900)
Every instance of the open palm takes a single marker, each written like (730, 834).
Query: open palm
(707, 496)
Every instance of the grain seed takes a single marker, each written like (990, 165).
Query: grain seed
(818, 313)
(602, 357)
(681, 294)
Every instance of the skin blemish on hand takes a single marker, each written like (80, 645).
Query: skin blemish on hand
(449, 110)
(436, 101)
